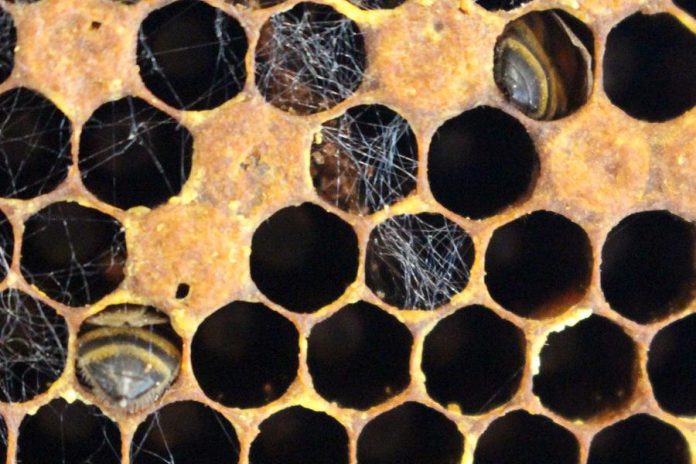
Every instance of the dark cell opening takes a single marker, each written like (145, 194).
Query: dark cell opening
(672, 367)
(650, 67)
(641, 439)
(481, 162)
(366, 159)
(255, 4)
(410, 434)
(587, 369)
(360, 356)
(74, 254)
(245, 355)
(497, 5)
(191, 55)
(418, 261)
(34, 144)
(377, 4)
(523, 438)
(303, 257)
(473, 359)
(72, 433)
(185, 432)
(133, 154)
(8, 42)
(182, 291)
(298, 436)
(687, 5)
(647, 270)
(538, 265)
(309, 58)
(3, 440)
(6, 245)
(33, 348)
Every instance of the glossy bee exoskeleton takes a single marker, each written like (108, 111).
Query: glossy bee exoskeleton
(128, 355)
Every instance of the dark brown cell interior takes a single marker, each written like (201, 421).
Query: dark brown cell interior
(75, 254)
(480, 162)
(687, 5)
(185, 432)
(650, 67)
(303, 257)
(132, 154)
(34, 144)
(34, 346)
(672, 367)
(647, 270)
(359, 357)
(538, 265)
(522, 438)
(473, 359)
(245, 355)
(3, 440)
(297, 435)
(497, 5)
(410, 434)
(641, 439)
(587, 369)
(256, 4)
(6, 245)
(72, 433)
(8, 42)
(191, 55)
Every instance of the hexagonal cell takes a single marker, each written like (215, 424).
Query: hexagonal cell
(72, 433)
(587, 369)
(538, 265)
(34, 346)
(6, 245)
(672, 367)
(133, 154)
(297, 435)
(481, 162)
(359, 357)
(522, 438)
(650, 67)
(74, 254)
(473, 359)
(365, 159)
(544, 64)
(204, 436)
(497, 5)
(191, 55)
(410, 434)
(303, 257)
(8, 42)
(245, 355)
(640, 439)
(34, 144)
(309, 58)
(418, 261)
(647, 270)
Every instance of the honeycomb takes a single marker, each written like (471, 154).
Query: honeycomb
(367, 248)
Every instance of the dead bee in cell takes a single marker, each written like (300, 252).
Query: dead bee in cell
(128, 355)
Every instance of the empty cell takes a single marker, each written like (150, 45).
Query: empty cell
(497, 5)
(473, 359)
(245, 355)
(359, 357)
(587, 369)
(8, 42)
(6, 245)
(3, 440)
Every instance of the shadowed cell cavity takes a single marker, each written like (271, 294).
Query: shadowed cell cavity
(74, 254)
(640, 439)
(473, 359)
(6, 245)
(410, 434)
(650, 67)
(309, 58)
(33, 349)
(132, 154)
(480, 162)
(647, 270)
(359, 357)
(297, 435)
(587, 369)
(418, 261)
(538, 265)
(377, 4)
(185, 432)
(303, 257)
(72, 433)
(34, 144)
(191, 55)
(365, 159)
(3, 440)
(497, 5)
(523, 438)
(245, 355)
(8, 42)
(687, 5)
